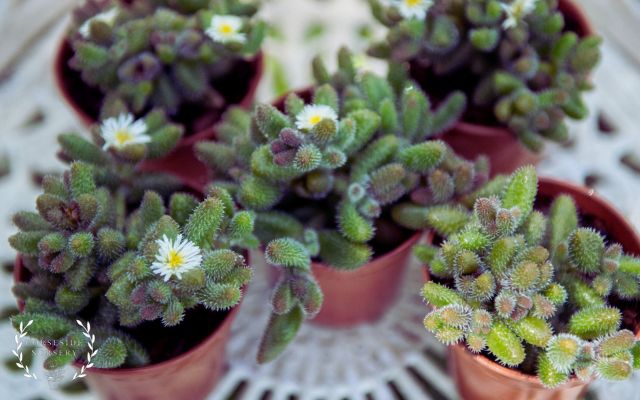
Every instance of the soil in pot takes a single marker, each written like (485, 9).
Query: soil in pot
(236, 87)
(187, 360)
(479, 132)
(479, 377)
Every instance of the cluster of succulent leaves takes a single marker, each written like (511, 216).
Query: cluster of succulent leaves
(532, 75)
(214, 225)
(88, 254)
(324, 189)
(155, 53)
(533, 290)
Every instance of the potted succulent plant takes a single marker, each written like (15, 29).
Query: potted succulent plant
(150, 275)
(322, 174)
(524, 64)
(191, 59)
(532, 302)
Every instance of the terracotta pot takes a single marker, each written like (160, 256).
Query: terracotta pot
(85, 102)
(471, 139)
(479, 378)
(191, 375)
(363, 295)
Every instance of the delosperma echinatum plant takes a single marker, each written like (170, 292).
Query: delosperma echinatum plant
(321, 173)
(88, 258)
(117, 246)
(358, 144)
(518, 58)
(532, 290)
(161, 53)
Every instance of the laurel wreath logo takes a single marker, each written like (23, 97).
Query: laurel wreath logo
(90, 354)
(18, 351)
(30, 374)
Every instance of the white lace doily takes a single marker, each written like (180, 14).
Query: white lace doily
(392, 359)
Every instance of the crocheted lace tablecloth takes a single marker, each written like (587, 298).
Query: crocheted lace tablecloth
(392, 359)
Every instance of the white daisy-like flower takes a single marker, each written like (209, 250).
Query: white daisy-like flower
(516, 11)
(413, 8)
(122, 131)
(226, 29)
(176, 257)
(108, 17)
(311, 115)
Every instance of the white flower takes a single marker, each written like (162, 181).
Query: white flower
(516, 11)
(176, 257)
(123, 131)
(225, 29)
(312, 114)
(413, 8)
(108, 17)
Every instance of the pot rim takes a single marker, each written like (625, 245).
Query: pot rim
(513, 374)
(215, 335)
(377, 263)
(593, 196)
(203, 134)
(567, 7)
(573, 190)
(228, 319)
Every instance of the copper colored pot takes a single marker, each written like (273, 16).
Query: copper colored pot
(365, 294)
(479, 378)
(85, 102)
(505, 152)
(191, 375)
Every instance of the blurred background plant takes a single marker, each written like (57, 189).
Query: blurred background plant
(608, 136)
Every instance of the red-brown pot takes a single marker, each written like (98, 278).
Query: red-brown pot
(504, 149)
(181, 161)
(190, 375)
(363, 295)
(479, 378)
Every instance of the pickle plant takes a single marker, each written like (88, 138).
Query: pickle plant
(519, 58)
(98, 252)
(164, 54)
(533, 290)
(324, 170)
